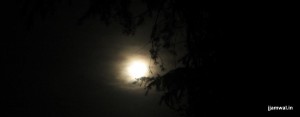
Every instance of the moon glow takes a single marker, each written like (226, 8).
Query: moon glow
(137, 69)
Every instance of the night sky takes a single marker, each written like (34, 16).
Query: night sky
(59, 68)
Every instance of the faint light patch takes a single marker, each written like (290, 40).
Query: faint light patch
(134, 67)
(137, 69)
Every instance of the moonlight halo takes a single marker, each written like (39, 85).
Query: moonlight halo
(137, 69)
(134, 66)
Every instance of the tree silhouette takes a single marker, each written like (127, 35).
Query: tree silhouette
(191, 88)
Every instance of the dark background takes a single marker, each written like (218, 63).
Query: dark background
(59, 68)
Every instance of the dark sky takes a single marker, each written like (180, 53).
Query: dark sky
(61, 69)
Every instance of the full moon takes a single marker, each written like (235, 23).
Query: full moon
(137, 69)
